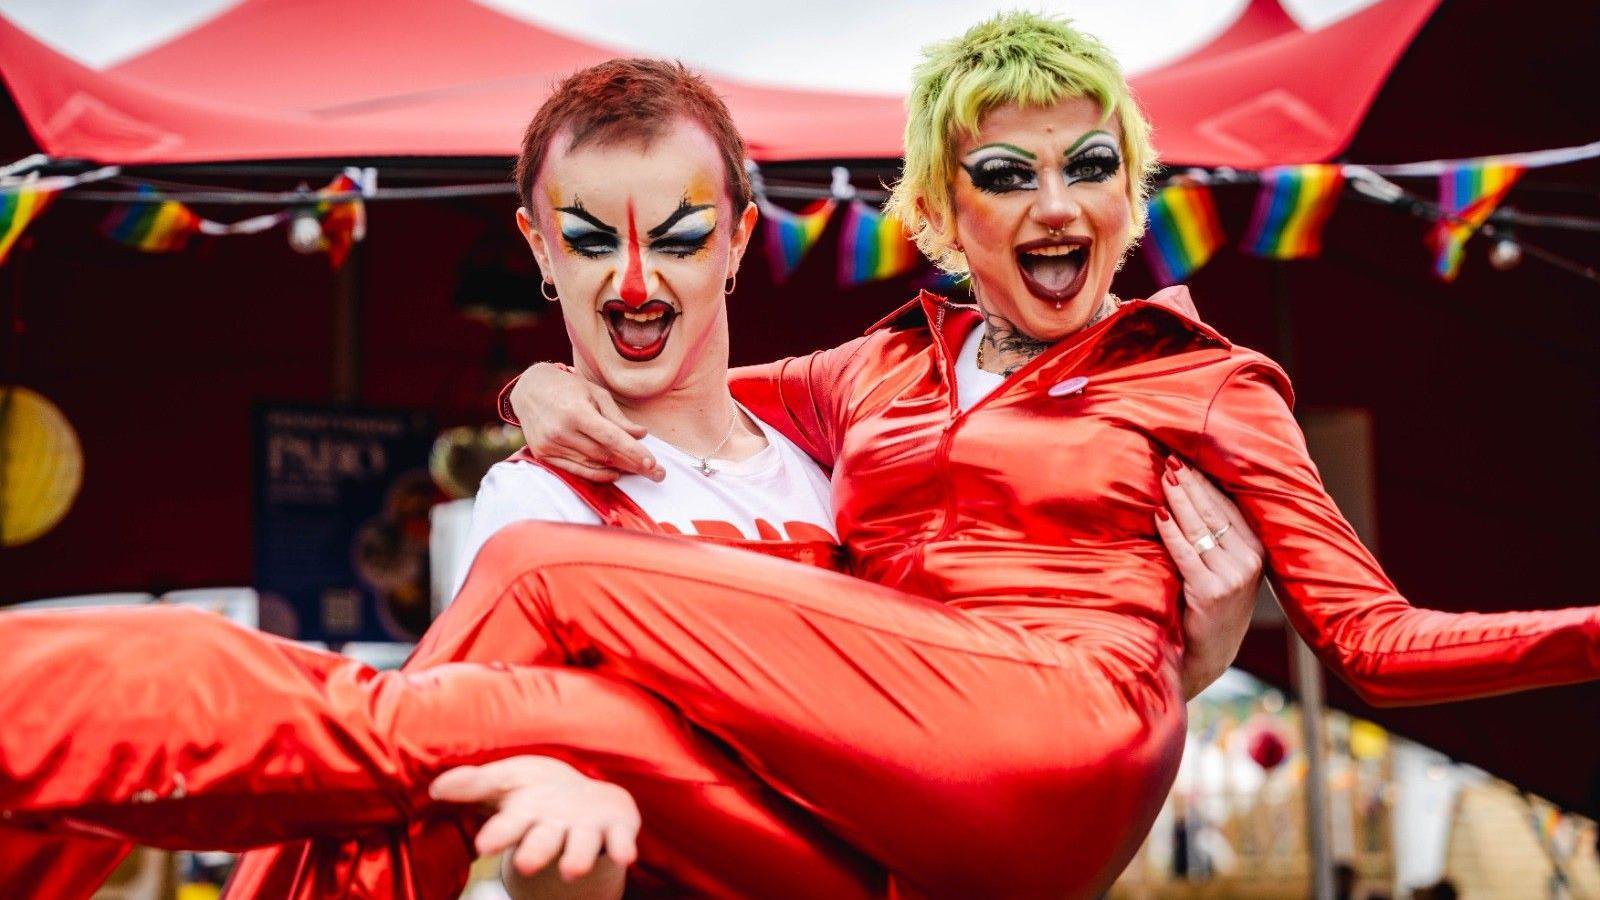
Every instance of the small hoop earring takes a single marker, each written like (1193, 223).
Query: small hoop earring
(551, 294)
(733, 282)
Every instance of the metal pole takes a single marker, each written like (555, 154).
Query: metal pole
(1308, 685)
(1307, 672)
(11, 359)
(348, 293)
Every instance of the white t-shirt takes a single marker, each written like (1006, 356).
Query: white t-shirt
(972, 383)
(777, 494)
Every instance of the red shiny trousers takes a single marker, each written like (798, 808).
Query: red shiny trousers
(965, 756)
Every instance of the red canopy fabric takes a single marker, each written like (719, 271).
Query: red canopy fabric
(1267, 92)
(279, 79)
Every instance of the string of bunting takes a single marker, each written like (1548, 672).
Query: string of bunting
(791, 235)
(1292, 209)
(24, 198)
(1467, 196)
(330, 220)
(1293, 206)
(1294, 203)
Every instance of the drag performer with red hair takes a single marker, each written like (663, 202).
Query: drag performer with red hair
(1001, 714)
(631, 141)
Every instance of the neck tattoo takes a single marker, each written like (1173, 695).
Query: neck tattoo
(1015, 349)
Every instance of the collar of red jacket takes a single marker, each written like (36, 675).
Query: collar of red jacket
(1173, 303)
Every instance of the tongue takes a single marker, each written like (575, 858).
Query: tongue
(1054, 272)
(640, 334)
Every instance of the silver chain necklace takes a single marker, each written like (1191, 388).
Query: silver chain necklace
(704, 467)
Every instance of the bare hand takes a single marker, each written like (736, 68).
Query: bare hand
(574, 425)
(1219, 585)
(546, 808)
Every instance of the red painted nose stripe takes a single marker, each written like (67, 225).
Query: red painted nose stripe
(633, 289)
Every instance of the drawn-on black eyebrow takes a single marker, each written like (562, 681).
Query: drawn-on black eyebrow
(684, 209)
(583, 214)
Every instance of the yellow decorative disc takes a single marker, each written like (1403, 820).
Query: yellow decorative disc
(41, 465)
(1367, 741)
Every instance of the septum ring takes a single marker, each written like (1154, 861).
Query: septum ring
(1205, 543)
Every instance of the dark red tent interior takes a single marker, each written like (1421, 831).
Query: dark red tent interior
(1483, 393)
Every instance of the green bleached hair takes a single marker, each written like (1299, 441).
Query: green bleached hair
(1016, 57)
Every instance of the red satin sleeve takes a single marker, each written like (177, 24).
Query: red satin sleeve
(804, 397)
(1336, 595)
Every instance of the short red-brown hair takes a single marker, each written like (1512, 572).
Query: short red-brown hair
(631, 100)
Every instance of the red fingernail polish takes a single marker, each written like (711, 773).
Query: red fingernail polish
(1172, 463)
(1172, 478)
(1162, 514)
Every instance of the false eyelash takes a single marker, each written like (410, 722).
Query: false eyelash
(590, 246)
(1094, 165)
(1000, 176)
(682, 249)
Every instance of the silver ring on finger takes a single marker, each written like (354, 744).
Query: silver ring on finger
(1226, 527)
(1205, 543)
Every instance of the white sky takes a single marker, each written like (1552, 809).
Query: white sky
(856, 45)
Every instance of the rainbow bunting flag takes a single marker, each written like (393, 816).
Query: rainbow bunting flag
(1467, 195)
(1294, 204)
(1183, 231)
(874, 247)
(17, 209)
(344, 222)
(157, 226)
(791, 235)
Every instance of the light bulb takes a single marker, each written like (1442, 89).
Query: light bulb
(1505, 253)
(305, 233)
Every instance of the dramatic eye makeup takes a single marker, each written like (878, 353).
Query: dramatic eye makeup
(1001, 169)
(1094, 158)
(687, 231)
(1004, 168)
(682, 234)
(584, 234)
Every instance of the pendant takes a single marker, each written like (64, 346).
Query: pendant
(705, 468)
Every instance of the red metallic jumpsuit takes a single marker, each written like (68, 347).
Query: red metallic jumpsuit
(693, 792)
(1016, 737)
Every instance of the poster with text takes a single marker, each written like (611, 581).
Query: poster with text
(341, 522)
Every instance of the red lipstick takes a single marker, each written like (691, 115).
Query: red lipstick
(639, 333)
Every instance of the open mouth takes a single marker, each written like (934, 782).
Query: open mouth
(1054, 269)
(639, 334)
